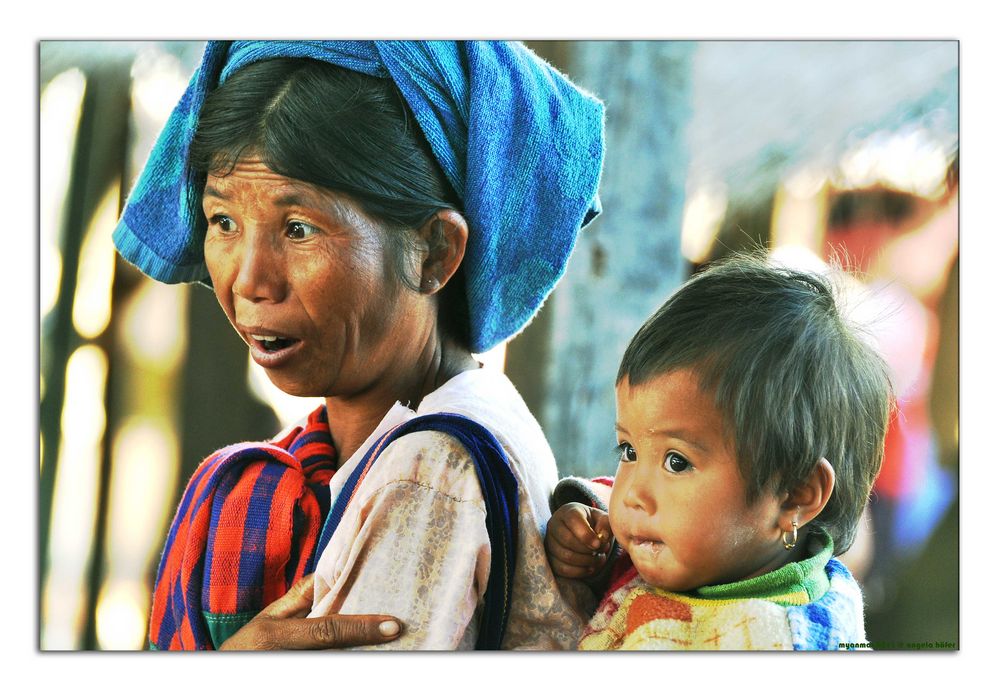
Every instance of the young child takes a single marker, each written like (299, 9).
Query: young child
(751, 423)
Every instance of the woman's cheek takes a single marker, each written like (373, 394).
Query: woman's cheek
(217, 261)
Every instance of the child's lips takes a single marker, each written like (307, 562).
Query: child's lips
(646, 544)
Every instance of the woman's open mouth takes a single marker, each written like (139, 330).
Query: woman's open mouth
(269, 350)
(273, 344)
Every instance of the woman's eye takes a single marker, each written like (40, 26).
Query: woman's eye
(625, 453)
(675, 463)
(297, 230)
(224, 223)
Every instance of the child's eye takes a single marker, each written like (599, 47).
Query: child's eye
(297, 230)
(625, 453)
(224, 223)
(675, 463)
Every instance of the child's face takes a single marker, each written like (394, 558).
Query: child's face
(678, 504)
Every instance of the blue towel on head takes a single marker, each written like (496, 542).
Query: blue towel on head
(520, 144)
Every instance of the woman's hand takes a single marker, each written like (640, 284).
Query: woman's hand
(283, 625)
(577, 540)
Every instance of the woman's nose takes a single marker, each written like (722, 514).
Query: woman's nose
(260, 270)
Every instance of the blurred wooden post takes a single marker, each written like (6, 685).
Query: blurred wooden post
(115, 107)
(97, 163)
(218, 407)
(626, 262)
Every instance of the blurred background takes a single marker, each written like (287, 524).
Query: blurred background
(842, 151)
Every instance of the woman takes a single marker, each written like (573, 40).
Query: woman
(369, 215)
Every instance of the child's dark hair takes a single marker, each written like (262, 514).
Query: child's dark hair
(792, 379)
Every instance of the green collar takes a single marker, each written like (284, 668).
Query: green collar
(789, 585)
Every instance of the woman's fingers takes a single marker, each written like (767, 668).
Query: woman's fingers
(344, 630)
(295, 603)
(283, 625)
(332, 631)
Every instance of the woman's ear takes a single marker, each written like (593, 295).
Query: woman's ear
(806, 501)
(445, 234)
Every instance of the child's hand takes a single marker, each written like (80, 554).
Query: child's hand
(577, 540)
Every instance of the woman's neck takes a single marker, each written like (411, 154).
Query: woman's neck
(352, 419)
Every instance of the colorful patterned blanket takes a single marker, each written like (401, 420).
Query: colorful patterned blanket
(637, 616)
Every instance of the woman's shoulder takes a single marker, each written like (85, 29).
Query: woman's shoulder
(489, 398)
(433, 460)
(485, 395)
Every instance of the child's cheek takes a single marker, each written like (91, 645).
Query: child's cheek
(616, 530)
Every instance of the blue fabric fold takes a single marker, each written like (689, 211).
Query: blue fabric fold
(521, 145)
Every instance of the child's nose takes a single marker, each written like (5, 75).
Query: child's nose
(638, 495)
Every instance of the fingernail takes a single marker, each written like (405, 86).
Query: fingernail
(388, 627)
(595, 543)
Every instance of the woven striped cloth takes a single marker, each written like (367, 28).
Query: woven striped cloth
(245, 531)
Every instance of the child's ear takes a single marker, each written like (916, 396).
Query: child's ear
(806, 501)
(444, 234)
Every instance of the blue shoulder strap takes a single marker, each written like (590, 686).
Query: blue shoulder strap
(499, 488)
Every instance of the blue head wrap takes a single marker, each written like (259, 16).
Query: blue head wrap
(520, 144)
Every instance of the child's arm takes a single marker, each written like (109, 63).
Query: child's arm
(577, 542)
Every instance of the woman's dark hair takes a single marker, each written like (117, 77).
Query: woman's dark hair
(792, 379)
(340, 130)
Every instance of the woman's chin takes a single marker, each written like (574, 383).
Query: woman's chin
(293, 386)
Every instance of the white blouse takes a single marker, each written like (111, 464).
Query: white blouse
(413, 541)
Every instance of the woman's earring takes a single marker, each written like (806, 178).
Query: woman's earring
(430, 284)
(795, 536)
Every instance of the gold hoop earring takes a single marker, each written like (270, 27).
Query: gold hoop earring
(795, 536)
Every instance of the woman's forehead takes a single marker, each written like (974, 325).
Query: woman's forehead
(251, 180)
(254, 172)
